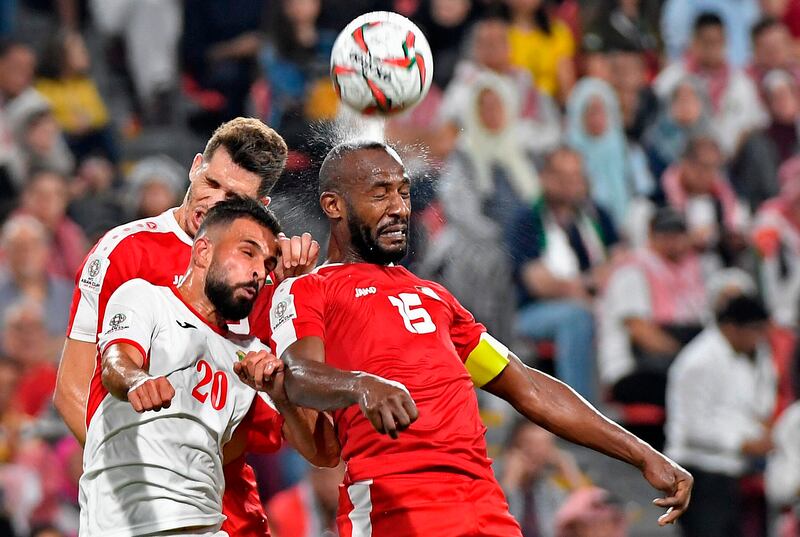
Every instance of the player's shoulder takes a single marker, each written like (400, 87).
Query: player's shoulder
(138, 288)
(140, 235)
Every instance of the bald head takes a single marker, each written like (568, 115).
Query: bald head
(343, 163)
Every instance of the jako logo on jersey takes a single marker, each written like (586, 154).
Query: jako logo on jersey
(364, 291)
(177, 279)
(185, 324)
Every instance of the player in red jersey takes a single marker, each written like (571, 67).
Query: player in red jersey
(361, 315)
(243, 157)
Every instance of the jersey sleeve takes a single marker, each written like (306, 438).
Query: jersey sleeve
(105, 268)
(130, 317)
(483, 356)
(297, 311)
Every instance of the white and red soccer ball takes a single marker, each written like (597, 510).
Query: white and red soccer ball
(381, 63)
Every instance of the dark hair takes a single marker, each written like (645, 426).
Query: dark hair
(668, 220)
(707, 19)
(54, 56)
(742, 310)
(764, 24)
(226, 212)
(253, 146)
(329, 174)
(7, 44)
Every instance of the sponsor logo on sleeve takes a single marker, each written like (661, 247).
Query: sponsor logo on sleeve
(282, 312)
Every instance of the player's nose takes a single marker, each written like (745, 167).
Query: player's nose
(399, 206)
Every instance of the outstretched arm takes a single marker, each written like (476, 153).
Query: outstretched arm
(311, 383)
(556, 407)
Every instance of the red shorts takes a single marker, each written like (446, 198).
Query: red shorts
(241, 503)
(425, 504)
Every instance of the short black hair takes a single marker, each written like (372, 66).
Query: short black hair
(742, 310)
(763, 24)
(329, 173)
(707, 19)
(226, 212)
(7, 44)
(668, 220)
(696, 142)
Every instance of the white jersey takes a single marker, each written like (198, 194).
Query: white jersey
(160, 471)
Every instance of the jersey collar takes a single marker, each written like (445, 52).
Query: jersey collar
(221, 331)
(174, 227)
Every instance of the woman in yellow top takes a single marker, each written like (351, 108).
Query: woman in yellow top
(79, 109)
(544, 46)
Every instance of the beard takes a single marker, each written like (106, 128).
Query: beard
(223, 295)
(365, 241)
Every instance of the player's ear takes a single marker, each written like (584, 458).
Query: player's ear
(332, 205)
(202, 250)
(197, 164)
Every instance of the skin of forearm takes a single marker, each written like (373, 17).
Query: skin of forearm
(313, 384)
(120, 372)
(305, 430)
(553, 405)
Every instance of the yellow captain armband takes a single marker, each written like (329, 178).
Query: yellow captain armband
(487, 360)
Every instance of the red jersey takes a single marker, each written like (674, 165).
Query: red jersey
(386, 321)
(158, 250)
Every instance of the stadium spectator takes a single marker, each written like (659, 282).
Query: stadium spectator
(738, 17)
(296, 63)
(17, 67)
(697, 187)
(64, 80)
(445, 23)
(45, 198)
(638, 103)
(561, 247)
(154, 185)
(654, 304)
(623, 26)
(684, 114)
(38, 135)
(95, 205)
(734, 98)
(783, 470)
(25, 245)
(489, 50)
(219, 47)
(720, 396)
(537, 477)
(595, 130)
(485, 182)
(544, 46)
(591, 512)
(25, 343)
(307, 509)
(772, 49)
(150, 31)
(776, 237)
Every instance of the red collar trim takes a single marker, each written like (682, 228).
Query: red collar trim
(215, 328)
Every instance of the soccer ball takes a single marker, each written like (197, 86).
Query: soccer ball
(381, 63)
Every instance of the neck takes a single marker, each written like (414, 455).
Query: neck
(181, 214)
(340, 249)
(193, 293)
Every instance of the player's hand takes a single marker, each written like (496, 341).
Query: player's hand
(386, 404)
(299, 255)
(152, 393)
(257, 368)
(674, 481)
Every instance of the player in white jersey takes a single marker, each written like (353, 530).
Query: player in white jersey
(153, 455)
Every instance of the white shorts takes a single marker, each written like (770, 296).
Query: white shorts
(209, 531)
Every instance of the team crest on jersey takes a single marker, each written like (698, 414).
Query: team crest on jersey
(282, 311)
(117, 322)
(92, 276)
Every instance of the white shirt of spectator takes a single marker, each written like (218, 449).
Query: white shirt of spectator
(159, 471)
(627, 296)
(717, 400)
(783, 464)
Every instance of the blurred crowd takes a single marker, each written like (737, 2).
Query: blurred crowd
(611, 186)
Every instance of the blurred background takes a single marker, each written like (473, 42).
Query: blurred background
(611, 186)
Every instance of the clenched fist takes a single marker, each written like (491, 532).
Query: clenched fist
(152, 393)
